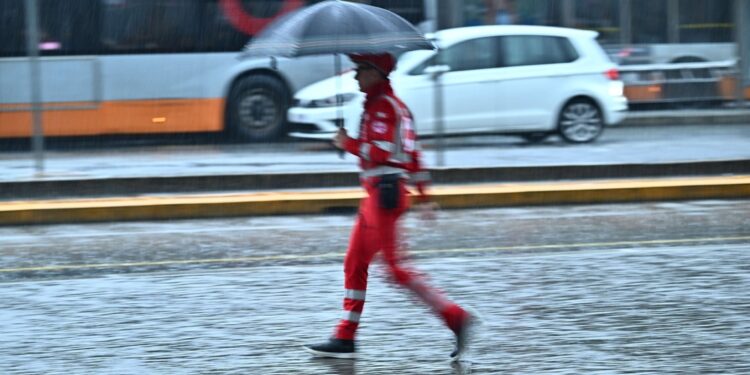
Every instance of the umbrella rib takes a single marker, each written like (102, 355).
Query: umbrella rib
(353, 28)
(324, 42)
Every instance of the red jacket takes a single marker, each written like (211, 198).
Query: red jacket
(387, 140)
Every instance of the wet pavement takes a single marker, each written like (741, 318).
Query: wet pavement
(682, 309)
(631, 288)
(652, 144)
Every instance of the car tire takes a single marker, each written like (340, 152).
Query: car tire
(534, 137)
(256, 110)
(580, 121)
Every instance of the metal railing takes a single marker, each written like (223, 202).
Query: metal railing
(681, 82)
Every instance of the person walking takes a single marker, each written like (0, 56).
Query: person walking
(388, 155)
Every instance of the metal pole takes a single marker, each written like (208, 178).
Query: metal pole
(436, 72)
(440, 159)
(568, 13)
(32, 46)
(431, 15)
(626, 29)
(741, 28)
(450, 14)
(673, 21)
(339, 98)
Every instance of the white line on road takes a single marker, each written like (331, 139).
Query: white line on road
(282, 257)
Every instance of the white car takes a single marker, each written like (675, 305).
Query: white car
(531, 81)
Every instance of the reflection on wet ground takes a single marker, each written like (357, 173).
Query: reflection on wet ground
(626, 145)
(659, 310)
(656, 288)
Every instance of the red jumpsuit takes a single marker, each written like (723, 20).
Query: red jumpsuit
(386, 145)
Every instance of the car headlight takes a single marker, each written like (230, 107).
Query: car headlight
(326, 102)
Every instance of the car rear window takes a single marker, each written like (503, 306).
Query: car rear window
(520, 50)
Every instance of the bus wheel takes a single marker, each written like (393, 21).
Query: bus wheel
(581, 121)
(257, 109)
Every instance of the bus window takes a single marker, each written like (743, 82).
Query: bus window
(705, 21)
(12, 29)
(649, 23)
(227, 25)
(149, 26)
(217, 33)
(67, 28)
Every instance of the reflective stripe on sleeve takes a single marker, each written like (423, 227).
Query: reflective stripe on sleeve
(400, 157)
(351, 316)
(397, 153)
(385, 145)
(364, 151)
(358, 295)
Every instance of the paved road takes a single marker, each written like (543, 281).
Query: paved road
(639, 288)
(653, 144)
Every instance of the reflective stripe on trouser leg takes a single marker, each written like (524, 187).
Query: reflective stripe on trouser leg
(351, 316)
(354, 303)
(355, 294)
(363, 245)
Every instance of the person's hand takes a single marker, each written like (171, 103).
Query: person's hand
(339, 140)
(427, 210)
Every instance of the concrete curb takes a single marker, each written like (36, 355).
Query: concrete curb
(133, 186)
(687, 117)
(316, 202)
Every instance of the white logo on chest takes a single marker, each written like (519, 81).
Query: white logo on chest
(379, 127)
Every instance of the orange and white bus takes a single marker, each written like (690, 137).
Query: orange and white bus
(153, 66)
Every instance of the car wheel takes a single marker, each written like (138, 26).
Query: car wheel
(257, 108)
(534, 137)
(580, 121)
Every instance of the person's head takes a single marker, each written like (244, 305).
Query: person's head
(372, 68)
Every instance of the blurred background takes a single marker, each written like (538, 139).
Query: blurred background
(98, 68)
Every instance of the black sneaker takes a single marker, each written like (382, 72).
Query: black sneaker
(464, 334)
(334, 348)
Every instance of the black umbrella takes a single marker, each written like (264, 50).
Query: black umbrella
(337, 27)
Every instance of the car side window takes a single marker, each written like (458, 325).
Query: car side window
(520, 50)
(475, 54)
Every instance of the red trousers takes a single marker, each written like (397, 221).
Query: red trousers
(376, 231)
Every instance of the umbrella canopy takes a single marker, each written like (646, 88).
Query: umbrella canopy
(337, 27)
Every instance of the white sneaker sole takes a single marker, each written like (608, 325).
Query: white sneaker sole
(318, 353)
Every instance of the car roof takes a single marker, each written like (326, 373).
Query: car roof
(450, 36)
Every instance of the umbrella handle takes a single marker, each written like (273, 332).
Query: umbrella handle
(339, 99)
(341, 151)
